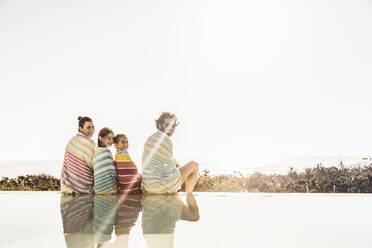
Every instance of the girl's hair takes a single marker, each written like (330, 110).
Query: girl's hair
(103, 133)
(164, 116)
(118, 137)
(82, 120)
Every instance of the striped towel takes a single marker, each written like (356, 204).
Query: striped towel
(105, 177)
(128, 178)
(159, 172)
(77, 171)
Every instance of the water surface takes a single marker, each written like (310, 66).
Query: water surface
(44, 219)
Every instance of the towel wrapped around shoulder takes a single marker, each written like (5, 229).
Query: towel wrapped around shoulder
(105, 178)
(77, 171)
(129, 181)
(159, 172)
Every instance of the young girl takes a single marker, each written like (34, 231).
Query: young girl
(128, 177)
(105, 178)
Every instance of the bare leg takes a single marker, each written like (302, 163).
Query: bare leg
(189, 173)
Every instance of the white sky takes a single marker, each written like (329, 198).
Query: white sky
(249, 80)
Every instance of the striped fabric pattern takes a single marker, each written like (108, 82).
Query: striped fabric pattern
(129, 181)
(77, 171)
(159, 172)
(105, 177)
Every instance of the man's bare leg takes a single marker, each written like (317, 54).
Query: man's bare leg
(189, 173)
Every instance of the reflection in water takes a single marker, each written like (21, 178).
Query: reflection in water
(77, 218)
(127, 215)
(91, 221)
(105, 207)
(160, 214)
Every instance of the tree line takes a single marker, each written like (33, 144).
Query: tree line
(320, 179)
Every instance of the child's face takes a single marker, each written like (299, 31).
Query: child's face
(108, 140)
(122, 144)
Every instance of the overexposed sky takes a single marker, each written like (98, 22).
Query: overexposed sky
(249, 80)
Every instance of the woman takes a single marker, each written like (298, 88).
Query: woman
(77, 171)
(105, 176)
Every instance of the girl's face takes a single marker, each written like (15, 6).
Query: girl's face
(123, 144)
(87, 129)
(108, 140)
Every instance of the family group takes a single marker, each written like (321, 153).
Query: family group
(88, 168)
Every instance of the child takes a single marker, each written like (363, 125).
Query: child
(105, 177)
(129, 181)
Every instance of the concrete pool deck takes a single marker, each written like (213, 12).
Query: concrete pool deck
(45, 219)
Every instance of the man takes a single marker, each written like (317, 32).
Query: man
(160, 171)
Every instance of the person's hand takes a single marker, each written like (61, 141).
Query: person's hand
(178, 165)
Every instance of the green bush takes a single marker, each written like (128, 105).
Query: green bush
(320, 179)
(30, 183)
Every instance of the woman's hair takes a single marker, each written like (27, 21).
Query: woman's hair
(82, 120)
(164, 116)
(118, 137)
(103, 133)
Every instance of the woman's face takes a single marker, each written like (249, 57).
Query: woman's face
(87, 129)
(108, 140)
